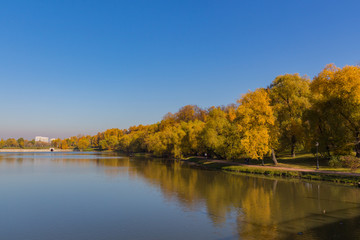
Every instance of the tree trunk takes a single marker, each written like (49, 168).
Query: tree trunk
(357, 147)
(274, 157)
(293, 142)
(328, 150)
(262, 161)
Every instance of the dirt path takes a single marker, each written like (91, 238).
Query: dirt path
(287, 169)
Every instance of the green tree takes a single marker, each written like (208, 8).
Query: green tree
(110, 142)
(337, 95)
(289, 95)
(21, 142)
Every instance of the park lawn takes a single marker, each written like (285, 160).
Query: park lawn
(300, 161)
(303, 161)
(294, 167)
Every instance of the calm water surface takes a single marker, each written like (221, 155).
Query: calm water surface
(105, 196)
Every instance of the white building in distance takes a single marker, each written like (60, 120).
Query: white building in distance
(41, 139)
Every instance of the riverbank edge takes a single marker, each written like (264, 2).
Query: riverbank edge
(229, 167)
(23, 150)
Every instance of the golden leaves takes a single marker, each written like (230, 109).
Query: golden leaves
(255, 120)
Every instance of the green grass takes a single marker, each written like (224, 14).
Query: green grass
(354, 180)
(89, 150)
(301, 161)
(264, 171)
(204, 163)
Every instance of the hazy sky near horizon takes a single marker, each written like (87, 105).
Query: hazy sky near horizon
(74, 67)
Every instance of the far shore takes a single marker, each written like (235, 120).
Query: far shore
(35, 150)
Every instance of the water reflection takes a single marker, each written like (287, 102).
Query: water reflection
(260, 208)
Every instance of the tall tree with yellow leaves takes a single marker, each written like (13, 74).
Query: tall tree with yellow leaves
(215, 133)
(83, 143)
(255, 121)
(339, 92)
(289, 95)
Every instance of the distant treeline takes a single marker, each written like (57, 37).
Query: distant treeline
(22, 143)
(292, 114)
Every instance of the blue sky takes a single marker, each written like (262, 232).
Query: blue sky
(79, 67)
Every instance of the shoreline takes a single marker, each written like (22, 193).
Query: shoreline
(347, 178)
(34, 150)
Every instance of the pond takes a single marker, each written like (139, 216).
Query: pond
(108, 196)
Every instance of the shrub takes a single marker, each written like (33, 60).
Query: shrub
(336, 161)
(351, 162)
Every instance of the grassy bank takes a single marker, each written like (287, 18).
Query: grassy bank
(338, 178)
(333, 175)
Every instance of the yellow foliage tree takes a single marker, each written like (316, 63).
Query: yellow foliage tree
(167, 142)
(83, 143)
(255, 120)
(337, 92)
(64, 144)
(190, 143)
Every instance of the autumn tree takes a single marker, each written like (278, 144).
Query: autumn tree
(191, 142)
(230, 111)
(117, 133)
(216, 134)
(64, 144)
(73, 141)
(137, 136)
(156, 144)
(167, 142)
(11, 142)
(110, 142)
(124, 143)
(289, 96)
(83, 143)
(56, 143)
(95, 140)
(190, 113)
(255, 121)
(21, 142)
(337, 93)
(30, 144)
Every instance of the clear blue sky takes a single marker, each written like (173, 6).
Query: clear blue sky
(79, 67)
